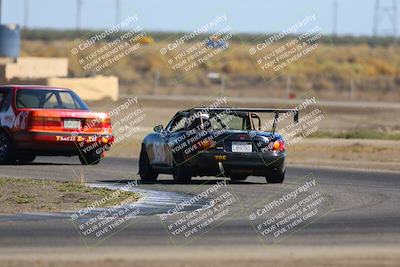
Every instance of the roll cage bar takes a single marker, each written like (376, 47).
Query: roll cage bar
(277, 112)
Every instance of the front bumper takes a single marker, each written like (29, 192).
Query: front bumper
(206, 163)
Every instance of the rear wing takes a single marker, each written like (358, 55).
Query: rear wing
(277, 112)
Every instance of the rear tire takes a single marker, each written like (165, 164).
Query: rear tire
(26, 158)
(6, 150)
(146, 172)
(89, 158)
(181, 176)
(276, 178)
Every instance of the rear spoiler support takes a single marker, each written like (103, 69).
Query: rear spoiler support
(275, 122)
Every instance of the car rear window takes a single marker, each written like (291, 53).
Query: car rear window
(229, 121)
(49, 99)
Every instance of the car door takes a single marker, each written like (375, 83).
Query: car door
(173, 138)
(159, 145)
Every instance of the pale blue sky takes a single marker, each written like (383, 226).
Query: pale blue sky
(355, 16)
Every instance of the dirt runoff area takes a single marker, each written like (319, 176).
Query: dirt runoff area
(31, 195)
(203, 256)
(374, 155)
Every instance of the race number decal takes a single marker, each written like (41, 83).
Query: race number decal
(159, 152)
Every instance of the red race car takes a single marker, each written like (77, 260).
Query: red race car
(39, 120)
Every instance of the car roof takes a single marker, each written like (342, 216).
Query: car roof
(33, 87)
(240, 113)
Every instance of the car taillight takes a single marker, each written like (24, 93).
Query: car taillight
(36, 121)
(97, 124)
(278, 146)
(51, 122)
(105, 123)
(41, 121)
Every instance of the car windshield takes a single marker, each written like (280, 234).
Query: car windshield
(50, 99)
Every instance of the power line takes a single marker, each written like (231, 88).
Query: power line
(385, 18)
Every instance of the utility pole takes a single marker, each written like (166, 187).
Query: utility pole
(376, 17)
(117, 11)
(395, 19)
(335, 17)
(385, 18)
(26, 13)
(0, 9)
(78, 14)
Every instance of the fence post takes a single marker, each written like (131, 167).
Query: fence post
(288, 86)
(156, 81)
(352, 89)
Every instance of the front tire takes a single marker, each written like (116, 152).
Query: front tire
(146, 172)
(276, 177)
(6, 154)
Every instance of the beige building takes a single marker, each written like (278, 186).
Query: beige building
(91, 88)
(54, 72)
(35, 68)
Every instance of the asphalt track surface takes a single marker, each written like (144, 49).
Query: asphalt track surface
(363, 208)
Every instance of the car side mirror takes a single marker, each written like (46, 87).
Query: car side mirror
(158, 128)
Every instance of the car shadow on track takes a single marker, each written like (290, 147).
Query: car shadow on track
(45, 164)
(171, 182)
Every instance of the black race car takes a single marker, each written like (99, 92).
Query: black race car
(222, 142)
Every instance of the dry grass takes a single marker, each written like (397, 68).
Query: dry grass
(30, 195)
(329, 71)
